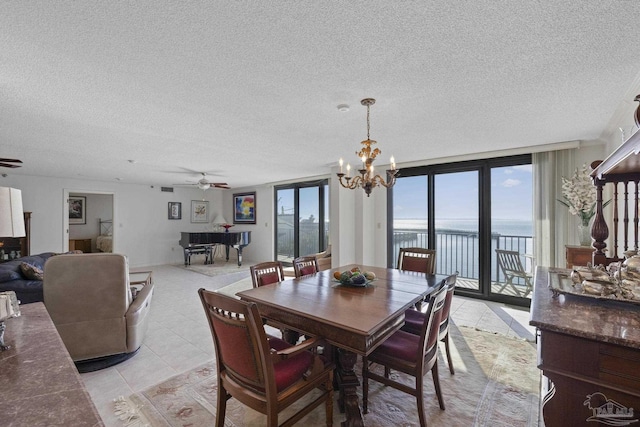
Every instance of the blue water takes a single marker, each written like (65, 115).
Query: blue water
(500, 226)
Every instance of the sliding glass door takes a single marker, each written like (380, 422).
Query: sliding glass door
(302, 220)
(457, 226)
(465, 211)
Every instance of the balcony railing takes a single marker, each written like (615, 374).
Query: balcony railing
(458, 250)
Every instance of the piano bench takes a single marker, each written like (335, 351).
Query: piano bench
(206, 250)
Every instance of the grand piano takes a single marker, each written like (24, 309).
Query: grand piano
(204, 242)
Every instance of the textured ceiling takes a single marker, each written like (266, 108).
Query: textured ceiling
(249, 91)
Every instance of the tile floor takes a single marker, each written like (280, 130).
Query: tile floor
(178, 338)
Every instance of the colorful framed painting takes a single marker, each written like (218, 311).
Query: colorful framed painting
(244, 208)
(199, 211)
(77, 210)
(175, 210)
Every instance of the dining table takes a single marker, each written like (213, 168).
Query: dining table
(353, 319)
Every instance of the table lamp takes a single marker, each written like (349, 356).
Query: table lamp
(11, 225)
(220, 222)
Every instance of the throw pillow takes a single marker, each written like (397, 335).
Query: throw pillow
(31, 271)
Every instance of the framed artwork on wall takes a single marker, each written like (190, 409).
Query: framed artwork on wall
(244, 208)
(175, 210)
(199, 211)
(77, 210)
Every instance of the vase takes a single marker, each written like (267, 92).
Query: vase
(584, 235)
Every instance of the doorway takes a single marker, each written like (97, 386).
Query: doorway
(88, 221)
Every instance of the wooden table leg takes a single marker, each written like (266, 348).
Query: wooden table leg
(348, 384)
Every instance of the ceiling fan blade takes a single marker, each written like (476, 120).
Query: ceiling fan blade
(8, 165)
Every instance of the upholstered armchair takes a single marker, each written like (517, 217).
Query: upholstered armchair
(92, 306)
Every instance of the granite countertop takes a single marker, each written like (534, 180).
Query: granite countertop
(615, 322)
(40, 383)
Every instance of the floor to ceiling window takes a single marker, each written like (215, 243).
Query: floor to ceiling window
(302, 219)
(465, 211)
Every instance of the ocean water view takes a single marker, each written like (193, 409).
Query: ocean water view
(510, 227)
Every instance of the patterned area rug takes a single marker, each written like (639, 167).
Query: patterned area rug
(496, 384)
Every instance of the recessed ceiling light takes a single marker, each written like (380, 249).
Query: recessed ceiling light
(343, 108)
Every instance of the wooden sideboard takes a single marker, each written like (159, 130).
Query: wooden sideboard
(40, 383)
(15, 244)
(578, 255)
(589, 355)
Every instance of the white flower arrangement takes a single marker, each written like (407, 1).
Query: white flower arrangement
(579, 195)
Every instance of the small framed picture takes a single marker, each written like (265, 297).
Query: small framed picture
(244, 208)
(175, 210)
(199, 211)
(77, 210)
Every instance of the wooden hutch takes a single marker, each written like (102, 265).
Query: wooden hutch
(589, 347)
(14, 245)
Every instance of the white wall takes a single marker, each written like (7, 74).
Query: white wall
(141, 226)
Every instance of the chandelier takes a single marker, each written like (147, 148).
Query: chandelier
(367, 180)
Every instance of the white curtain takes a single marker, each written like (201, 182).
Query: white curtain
(551, 219)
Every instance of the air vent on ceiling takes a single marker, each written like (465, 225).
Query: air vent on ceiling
(167, 189)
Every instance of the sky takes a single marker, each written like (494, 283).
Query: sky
(457, 195)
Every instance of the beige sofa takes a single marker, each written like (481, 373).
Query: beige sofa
(92, 306)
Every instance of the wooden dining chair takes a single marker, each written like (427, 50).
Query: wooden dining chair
(305, 265)
(266, 273)
(420, 260)
(410, 354)
(414, 319)
(266, 374)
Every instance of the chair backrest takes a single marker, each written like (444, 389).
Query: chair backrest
(305, 265)
(266, 273)
(431, 326)
(240, 341)
(420, 260)
(510, 262)
(450, 286)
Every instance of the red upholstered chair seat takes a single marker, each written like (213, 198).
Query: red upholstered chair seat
(413, 320)
(401, 345)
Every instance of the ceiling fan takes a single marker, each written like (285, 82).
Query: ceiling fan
(6, 163)
(205, 184)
